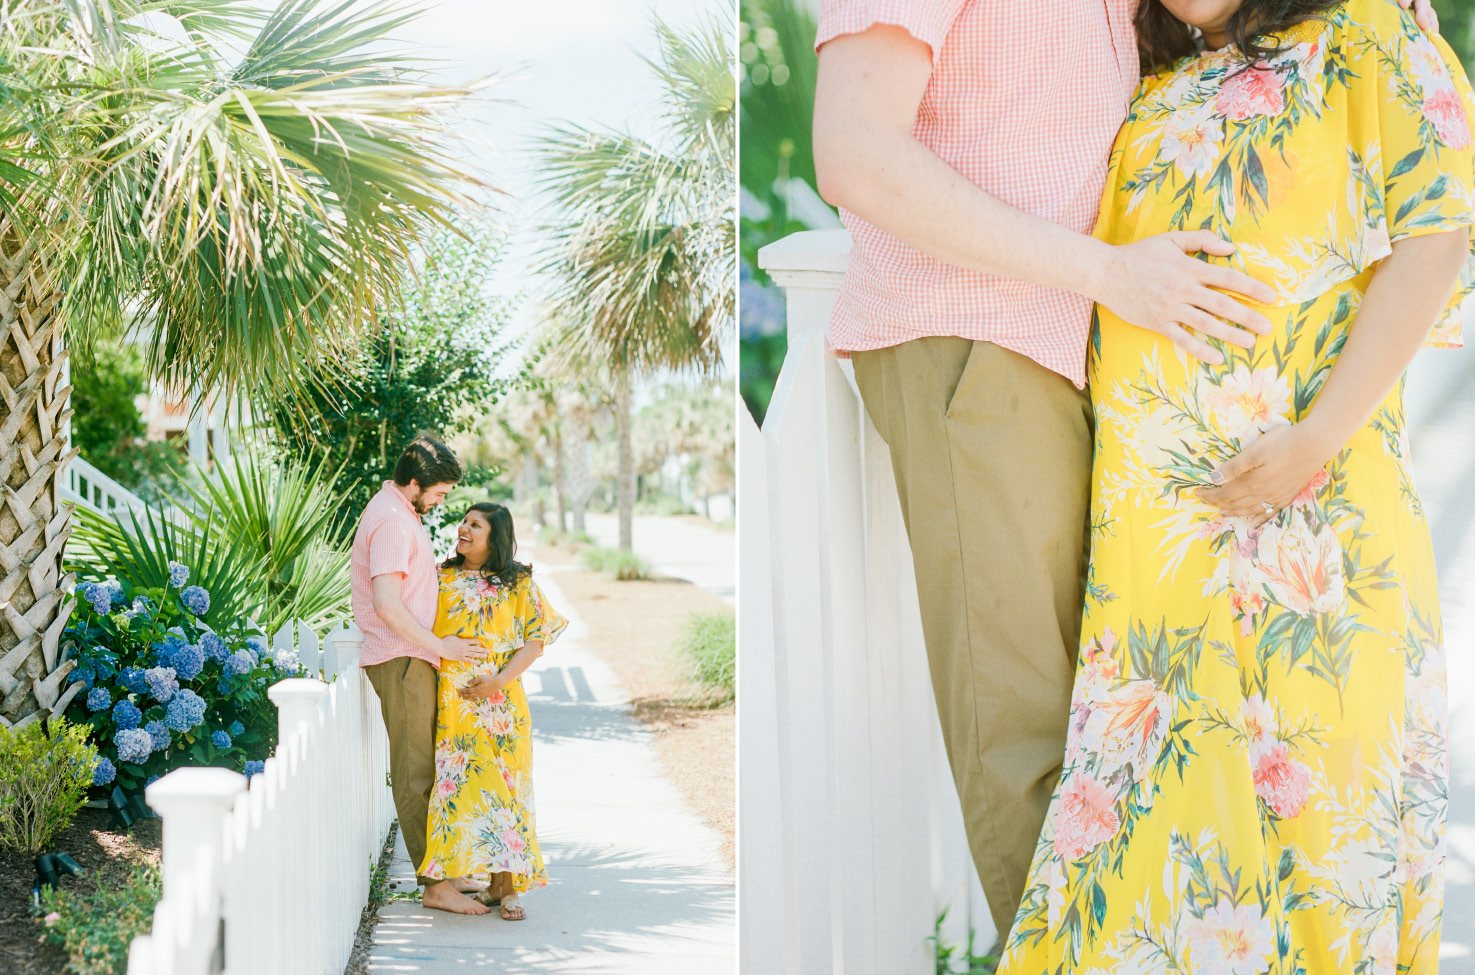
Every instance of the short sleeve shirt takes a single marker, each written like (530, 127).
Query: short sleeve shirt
(391, 538)
(1024, 101)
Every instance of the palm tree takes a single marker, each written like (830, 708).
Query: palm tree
(643, 260)
(245, 212)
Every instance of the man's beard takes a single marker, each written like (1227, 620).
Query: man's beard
(421, 507)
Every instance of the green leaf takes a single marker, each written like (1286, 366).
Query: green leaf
(1407, 163)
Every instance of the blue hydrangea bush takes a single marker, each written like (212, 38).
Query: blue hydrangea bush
(161, 689)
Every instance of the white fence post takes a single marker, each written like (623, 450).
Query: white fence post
(193, 803)
(848, 787)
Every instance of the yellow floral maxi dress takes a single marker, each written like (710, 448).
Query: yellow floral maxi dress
(481, 809)
(1255, 778)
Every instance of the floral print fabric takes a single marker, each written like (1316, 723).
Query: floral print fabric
(1255, 778)
(481, 808)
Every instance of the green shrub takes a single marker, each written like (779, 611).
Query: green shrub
(617, 563)
(43, 782)
(96, 929)
(708, 645)
(662, 503)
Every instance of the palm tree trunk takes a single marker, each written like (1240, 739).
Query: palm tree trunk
(560, 484)
(626, 492)
(578, 474)
(35, 599)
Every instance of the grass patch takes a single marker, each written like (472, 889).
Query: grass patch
(708, 648)
(960, 959)
(96, 929)
(616, 563)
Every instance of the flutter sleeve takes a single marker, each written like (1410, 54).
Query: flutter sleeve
(1424, 107)
(540, 621)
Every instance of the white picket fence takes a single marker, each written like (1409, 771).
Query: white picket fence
(272, 878)
(853, 840)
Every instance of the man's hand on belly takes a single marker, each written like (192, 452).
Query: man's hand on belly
(1155, 284)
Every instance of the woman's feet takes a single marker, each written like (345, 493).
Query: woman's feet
(444, 896)
(512, 908)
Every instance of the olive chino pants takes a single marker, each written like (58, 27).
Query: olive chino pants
(992, 457)
(407, 699)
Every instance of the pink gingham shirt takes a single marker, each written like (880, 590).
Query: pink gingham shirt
(1025, 100)
(391, 538)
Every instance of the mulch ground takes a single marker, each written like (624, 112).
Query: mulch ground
(100, 850)
(634, 628)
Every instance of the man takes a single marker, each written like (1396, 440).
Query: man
(966, 143)
(392, 570)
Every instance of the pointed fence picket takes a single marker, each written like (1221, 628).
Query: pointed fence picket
(853, 842)
(273, 877)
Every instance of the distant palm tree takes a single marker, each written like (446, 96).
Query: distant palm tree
(246, 210)
(643, 259)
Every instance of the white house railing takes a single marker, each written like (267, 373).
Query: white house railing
(853, 839)
(84, 484)
(273, 878)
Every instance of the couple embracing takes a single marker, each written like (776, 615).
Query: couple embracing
(444, 648)
(1133, 291)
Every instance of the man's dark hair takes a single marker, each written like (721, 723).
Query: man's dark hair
(1162, 38)
(427, 461)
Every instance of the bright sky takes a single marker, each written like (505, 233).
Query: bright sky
(570, 60)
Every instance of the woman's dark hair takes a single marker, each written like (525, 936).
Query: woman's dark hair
(428, 462)
(1162, 38)
(499, 567)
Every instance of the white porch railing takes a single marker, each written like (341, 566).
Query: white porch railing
(853, 840)
(84, 484)
(273, 878)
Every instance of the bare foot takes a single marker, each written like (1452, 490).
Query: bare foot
(512, 908)
(467, 886)
(445, 897)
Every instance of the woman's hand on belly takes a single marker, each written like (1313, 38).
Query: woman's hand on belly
(1272, 470)
(483, 688)
(1155, 284)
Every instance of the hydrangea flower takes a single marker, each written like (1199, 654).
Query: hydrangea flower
(82, 674)
(162, 683)
(221, 739)
(196, 600)
(222, 687)
(159, 733)
(126, 715)
(287, 660)
(99, 698)
(215, 648)
(104, 773)
(236, 727)
(257, 643)
(100, 596)
(134, 679)
(178, 574)
(134, 746)
(185, 712)
(240, 662)
(254, 768)
(187, 661)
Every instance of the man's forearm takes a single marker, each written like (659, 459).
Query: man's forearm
(891, 180)
(406, 627)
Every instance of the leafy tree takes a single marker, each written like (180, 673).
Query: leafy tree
(107, 427)
(435, 361)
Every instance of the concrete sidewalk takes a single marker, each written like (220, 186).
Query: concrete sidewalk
(683, 548)
(637, 883)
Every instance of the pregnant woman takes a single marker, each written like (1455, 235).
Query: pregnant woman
(481, 809)
(1255, 778)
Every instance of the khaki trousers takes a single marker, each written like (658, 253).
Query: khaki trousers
(992, 455)
(407, 699)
